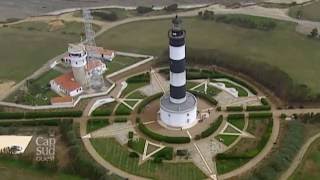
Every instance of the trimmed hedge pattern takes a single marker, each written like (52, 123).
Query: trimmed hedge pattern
(259, 108)
(213, 127)
(204, 96)
(234, 108)
(162, 138)
(148, 100)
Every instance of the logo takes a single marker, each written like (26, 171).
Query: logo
(46, 147)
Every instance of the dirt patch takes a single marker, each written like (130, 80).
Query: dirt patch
(5, 86)
(55, 25)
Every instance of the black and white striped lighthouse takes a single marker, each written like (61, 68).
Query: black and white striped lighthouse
(177, 56)
(178, 108)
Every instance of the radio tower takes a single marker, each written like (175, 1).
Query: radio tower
(96, 81)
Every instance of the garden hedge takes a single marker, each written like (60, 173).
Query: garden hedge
(148, 100)
(213, 127)
(259, 108)
(264, 101)
(234, 108)
(204, 96)
(102, 112)
(162, 138)
(144, 77)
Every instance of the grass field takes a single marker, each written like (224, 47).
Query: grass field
(120, 158)
(308, 12)
(94, 124)
(227, 139)
(131, 87)
(120, 62)
(309, 168)
(25, 47)
(239, 123)
(299, 55)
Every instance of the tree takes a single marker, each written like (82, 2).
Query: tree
(314, 33)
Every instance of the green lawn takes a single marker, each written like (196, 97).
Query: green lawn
(299, 55)
(104, 110)
(239, 123)
(136, 95)
(120, 158)
(17, 170)
(39, 92)
(308, 12)
(227, 139)
(137, 145)
(191, 84)
(120, 62)
(131, 103)
(131, 87)
(224, 166)
(309, 168)
(122, 110)
(94, 124)
(25, 47)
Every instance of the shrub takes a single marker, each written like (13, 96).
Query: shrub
(283, 116)
(159, 137)
(260, 115)
(144, 9)
(157, 160)
(212, 128)
(182, 152)
(264, 101)
(259, 108)
(148, 100)
(234, 108)
(130, 135)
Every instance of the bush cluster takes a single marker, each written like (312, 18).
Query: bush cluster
(264, 101)
(162, 138)
(212, 128)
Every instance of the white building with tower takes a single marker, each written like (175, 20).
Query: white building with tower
(178, 108)
(75, 82)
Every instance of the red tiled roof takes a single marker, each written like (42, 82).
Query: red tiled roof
(100, 50)
(93, 63)
(67, 81)
(59, 99)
